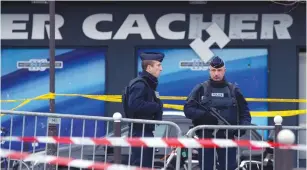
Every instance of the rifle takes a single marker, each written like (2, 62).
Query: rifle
(214, 112)
(221, 121)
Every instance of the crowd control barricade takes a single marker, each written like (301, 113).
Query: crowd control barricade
(258, 149)
(80, 141)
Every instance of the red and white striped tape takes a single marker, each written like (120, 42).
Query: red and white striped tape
(155, 142)
(69, 162)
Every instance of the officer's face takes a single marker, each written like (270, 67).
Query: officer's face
(155, 69)
(217, 74)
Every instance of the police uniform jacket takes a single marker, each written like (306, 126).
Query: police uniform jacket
(143, 101)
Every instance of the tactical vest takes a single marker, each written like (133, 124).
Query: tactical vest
(223, 99)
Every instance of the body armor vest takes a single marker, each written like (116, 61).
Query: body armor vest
(224, 100)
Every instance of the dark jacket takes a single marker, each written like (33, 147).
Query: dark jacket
(143, 101)
(200, 115)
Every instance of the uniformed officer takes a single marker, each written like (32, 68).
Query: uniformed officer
(223, 96)
(144, 103)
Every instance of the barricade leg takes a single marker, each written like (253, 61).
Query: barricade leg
(142, 157)
(153, 157)
(227, 158)
(206, 158)
(277, 152)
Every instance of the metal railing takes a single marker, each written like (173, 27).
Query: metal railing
(246, 159)
(33, 124)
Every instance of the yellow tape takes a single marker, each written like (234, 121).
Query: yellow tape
(117, 98)
(173, 97)
(41, 97)
(13, 101)
(109, 98)
(276, 100)
(283, 113)
(21, 100)
(173, 106)
(247, 99)
(253, 113)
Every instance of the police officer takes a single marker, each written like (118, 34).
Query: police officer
(223, 96)
(144, 103)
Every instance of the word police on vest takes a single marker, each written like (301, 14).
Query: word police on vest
(101, 26)
(217, 94)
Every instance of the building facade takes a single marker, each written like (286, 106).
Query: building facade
(98, 45)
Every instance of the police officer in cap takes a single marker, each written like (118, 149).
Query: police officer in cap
(227, 99)
(144, 103)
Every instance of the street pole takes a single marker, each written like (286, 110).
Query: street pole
(52, 53)
(52, 126)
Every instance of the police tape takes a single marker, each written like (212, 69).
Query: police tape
(41, 97)
(48, 96)
(117, 98)
(247, 99)
(155, 142)
(283, 113)
(68, 162)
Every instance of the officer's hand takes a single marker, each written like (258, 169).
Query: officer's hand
(158, 115)
(220, 122)
(160, 104)
(210, 118)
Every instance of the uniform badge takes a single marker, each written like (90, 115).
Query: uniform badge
(202, 97)
(157, 94)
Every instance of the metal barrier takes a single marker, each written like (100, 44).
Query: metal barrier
(33, 124)
(245, 158)
(28, 132)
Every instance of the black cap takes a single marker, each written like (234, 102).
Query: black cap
(152, 56)
(217, 62)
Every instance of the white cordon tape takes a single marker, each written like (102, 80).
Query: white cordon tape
(156, 142)
(69, 162)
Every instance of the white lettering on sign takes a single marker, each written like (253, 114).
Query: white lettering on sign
(197, 25)
(237, 27)
(90, 23)
(127, 28)
(284, 21)
(241, 26)
(217, 94)
(163, 26)
(14, 26)
(40, 25)
(9, 25)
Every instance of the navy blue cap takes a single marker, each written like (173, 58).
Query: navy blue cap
(152, 56)
(217, 62)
